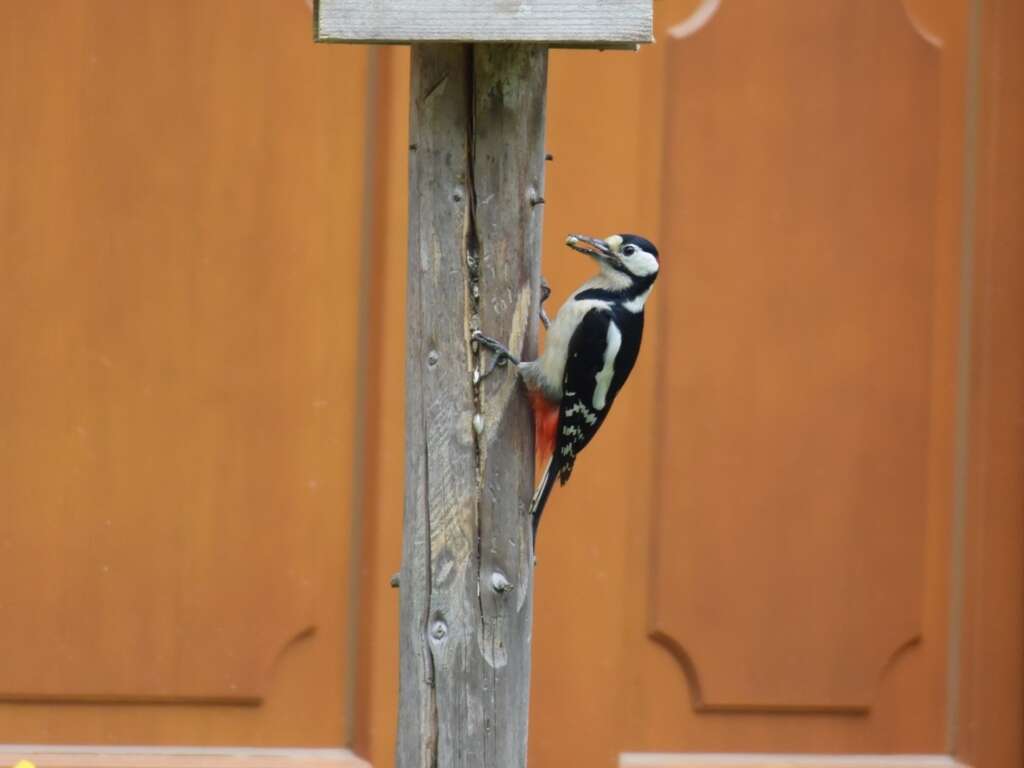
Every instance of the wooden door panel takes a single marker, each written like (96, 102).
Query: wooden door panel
(178, 324)
(739, 262)
(989, 731)
(789, 542)
(730, 180)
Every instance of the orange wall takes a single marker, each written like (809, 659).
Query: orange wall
(202, 237)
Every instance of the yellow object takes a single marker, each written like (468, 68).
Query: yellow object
(25, 764)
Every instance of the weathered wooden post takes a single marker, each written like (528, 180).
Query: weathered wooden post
(476, 180)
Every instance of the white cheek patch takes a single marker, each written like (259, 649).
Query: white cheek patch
(604, 376)
(643, 264)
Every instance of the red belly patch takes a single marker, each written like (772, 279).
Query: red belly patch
(545, 425)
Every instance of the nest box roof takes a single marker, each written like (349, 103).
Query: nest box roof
(560, 23)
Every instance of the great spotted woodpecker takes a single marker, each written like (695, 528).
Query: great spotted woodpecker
(589, 351)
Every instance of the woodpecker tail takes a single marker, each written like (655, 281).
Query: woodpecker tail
(540, 497)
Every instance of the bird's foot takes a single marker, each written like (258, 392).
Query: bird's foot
(501, 353)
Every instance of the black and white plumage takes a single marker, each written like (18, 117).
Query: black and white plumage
(590, 349)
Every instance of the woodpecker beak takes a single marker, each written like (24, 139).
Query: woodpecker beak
(599, 249)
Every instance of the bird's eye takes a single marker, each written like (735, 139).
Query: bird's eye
(629, 250)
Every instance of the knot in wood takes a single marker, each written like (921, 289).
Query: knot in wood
(439, 631)
(501, 584)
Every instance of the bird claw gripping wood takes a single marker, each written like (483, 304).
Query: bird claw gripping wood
(501, 353)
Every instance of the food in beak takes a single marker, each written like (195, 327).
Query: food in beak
(598, 248)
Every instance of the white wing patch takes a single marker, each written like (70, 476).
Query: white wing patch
(604, 376)
(551, 364)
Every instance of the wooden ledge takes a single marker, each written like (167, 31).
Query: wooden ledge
(174, 757)
(581, 23)
(751, 760)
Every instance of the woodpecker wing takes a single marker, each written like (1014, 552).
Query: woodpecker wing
(587, 385)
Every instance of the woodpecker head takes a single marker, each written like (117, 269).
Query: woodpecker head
(626, 260)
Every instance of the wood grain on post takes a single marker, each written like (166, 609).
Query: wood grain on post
(476, 167)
